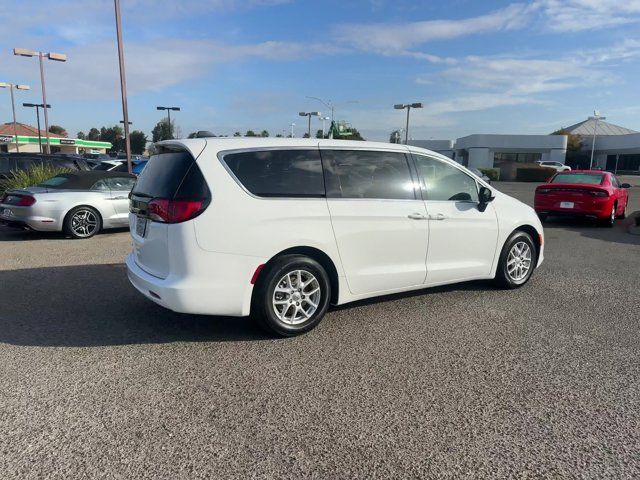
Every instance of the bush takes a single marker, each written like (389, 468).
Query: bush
(30, 177)
(534, 174)
(492, 173)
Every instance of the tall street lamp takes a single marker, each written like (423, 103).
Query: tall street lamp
(168, 109)
(309, 114)
(57, 57)
(596, 117)
(11, 86)
(292, 125)
(324, 119)
(330, 105)
(408, 106)
(37, 107)
(123, 84)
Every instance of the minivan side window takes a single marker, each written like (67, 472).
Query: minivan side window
(367, 174)
(278, 173)
(442, 181)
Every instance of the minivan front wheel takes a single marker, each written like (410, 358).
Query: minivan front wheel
(292, 296)
(518, 259)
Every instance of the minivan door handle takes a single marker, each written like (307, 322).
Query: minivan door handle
(417, 216)
(438, 216)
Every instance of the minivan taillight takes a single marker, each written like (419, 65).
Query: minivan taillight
(174, 211)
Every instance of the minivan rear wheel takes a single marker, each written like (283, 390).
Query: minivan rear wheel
(292, 295)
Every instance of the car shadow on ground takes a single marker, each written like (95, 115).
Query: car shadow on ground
(10, 234)
(94, 305)
(592, 229)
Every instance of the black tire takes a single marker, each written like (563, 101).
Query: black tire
(93, 222)
(611, 220)
(503, 278)
(264, 309)
(623, 215)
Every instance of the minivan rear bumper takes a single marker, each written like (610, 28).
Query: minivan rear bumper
(195, 295)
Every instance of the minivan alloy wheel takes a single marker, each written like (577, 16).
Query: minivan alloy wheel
(296, 297)
(84, 223)
(519, 261)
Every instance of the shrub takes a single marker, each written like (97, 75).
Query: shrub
(30, 177)
(492, 173)
(534, 174)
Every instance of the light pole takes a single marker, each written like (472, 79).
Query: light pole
(11, 86)
(309, 115)
(408, 106)
(324, 119)
(57, 57)
(292, 125)
(330, 105)
(168, 109)
(37, 107)
(123, 84)
(596, 117)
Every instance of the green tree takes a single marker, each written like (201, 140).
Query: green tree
(192, 135)
(58, 130)
(138, 142)
(574, 142)
(250, 133)
(306, 135)
(355, 135)
(163, 130)
(319, 134)
(81, 135)
(237, 134)
(264, 133)
(279, 135)
(115, 136)
(395, 137)
(94, 134)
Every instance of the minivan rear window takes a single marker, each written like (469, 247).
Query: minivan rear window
(172, 175)
(278, 173)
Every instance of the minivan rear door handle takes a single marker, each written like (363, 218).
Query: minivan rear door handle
(417, 216)
(437, 216)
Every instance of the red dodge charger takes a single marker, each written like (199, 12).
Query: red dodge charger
(589, 193)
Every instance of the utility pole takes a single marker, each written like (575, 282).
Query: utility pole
(123, 85)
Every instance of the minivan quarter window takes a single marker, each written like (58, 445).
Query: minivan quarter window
(445, 182)
(367, 174)
(278, 172)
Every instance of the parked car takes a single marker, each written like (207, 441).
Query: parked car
(281, 228)
(589, 193)
(121, 166)
(479, 174)
(557, 166)
(108, 165)
(79, 203)
(18, 161)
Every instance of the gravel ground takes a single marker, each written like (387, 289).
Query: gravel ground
(462, 381)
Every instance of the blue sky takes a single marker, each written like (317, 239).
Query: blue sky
(478, 66)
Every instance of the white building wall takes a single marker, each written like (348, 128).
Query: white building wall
(480, 158)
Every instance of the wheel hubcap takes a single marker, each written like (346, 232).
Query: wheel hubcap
(84, 223)
(296, 297)
(519, 261)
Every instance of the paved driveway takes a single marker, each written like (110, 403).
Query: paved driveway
(464, 381)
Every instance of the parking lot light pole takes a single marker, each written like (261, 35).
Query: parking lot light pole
(11, 86)
(37, 107)
(408, 106)
(309, 115)
(57, 57)
(330, 105)
(123, 84)
(292, 125)
(168, 109)
(324, 119)
(596, 117)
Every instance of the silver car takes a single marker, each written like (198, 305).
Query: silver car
(78, 203)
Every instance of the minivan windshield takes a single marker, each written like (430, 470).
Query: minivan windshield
(590, 178)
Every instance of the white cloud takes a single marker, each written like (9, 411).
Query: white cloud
(399, 37)
(579, 15)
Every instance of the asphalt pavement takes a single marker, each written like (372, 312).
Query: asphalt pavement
(463, 381)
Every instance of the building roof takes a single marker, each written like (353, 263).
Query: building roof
(25, 130)
(586, 128)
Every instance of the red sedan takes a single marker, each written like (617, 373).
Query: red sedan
(588, 193)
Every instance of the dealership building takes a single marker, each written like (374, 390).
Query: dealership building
(616, 148)
(26, 139)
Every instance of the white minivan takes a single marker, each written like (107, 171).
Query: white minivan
(281, 228)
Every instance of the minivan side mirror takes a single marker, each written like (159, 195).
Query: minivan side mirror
(625, 185)
(484, 197)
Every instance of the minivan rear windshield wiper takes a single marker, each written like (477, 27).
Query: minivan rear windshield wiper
(144, 195)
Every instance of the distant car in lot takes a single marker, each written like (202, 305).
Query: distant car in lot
(589, 193)
(121, 166)
(557, 166)
(281, 228)
(79, 203)
(479, 174)
(18, 161)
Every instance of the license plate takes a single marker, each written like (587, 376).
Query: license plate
(141, 226)
(566, 204)
(6, 212)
